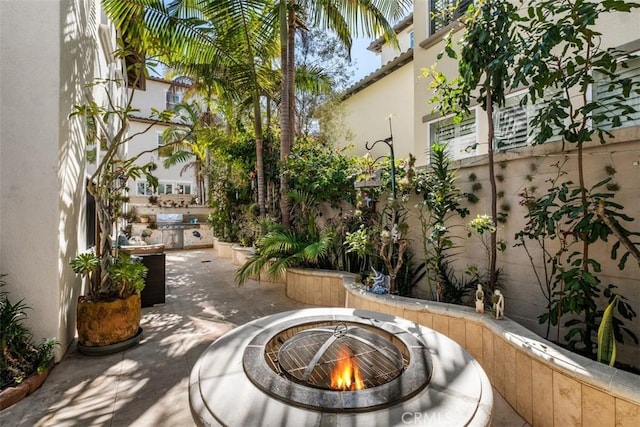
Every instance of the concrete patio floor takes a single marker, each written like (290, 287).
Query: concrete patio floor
(147, 385)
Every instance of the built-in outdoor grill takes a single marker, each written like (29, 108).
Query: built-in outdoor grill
(171, 225)
(338, 367)
(173, 222)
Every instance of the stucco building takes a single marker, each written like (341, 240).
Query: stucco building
(158, 94)
(398, 89)
(49, 52)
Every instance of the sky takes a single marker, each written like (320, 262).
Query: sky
(366, 61)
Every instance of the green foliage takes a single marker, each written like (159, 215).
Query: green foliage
(481, 224)
(487, 52)
(355, 249)
(455, 289)
(126, 275)
(472, 198)
(360, 242)
(322, 170)
(410, 275)
(107, 127)
(561, 53)
(189, 142)
(20, 357)
(232, 206)
(85, 264)
(305, 245)
(561, 58)
(562, 215)
(438, 209)
(606, 337)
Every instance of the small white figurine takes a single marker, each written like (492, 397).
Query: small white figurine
(395, 233)
(480, 299)
(498, 304)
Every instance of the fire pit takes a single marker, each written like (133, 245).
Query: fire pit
(337, 367)
(347, 357)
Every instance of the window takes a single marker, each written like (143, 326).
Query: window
(173, 97)
(444, 12)
(183, 188)
(143, 188)
(459, 137)
(511, 124)
(608, 96)
(164, 188)
(411, 40)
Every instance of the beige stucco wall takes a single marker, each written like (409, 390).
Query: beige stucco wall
(521, 289)
(48, 52)
(388, 53)
(154, 96)
(368, 113)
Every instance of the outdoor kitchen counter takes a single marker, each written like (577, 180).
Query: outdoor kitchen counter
(144, 249)
(202, 238)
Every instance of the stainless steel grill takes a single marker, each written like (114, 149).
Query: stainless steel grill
(173, 222)
(177, 226)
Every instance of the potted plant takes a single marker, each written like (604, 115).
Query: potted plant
(115, 279)
(110, 313)
(144, 218)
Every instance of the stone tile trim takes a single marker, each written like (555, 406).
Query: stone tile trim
(546, 384)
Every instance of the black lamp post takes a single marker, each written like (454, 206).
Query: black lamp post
(389, 143)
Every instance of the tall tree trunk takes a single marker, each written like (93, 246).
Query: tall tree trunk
(105, 228)
(259, 154)
(588, 342)
(291, 77)
(493, 250)
(286, 27)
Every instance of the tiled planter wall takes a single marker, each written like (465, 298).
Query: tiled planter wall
(224, 249)
(545, 384)
(318, 287)
(240, 254)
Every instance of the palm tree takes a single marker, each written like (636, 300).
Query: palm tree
(230, 37)
(345, 18)
(188, 143)
(239, 38)
(303, 245)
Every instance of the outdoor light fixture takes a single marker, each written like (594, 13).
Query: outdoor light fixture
(389, 143)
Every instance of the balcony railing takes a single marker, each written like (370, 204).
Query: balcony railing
(444, 12)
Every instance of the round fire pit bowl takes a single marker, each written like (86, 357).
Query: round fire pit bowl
(276, 371)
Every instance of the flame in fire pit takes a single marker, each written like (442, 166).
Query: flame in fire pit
(346, 374)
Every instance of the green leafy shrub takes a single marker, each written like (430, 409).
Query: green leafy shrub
(126, 275)
(321, 170)
(20, 356)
